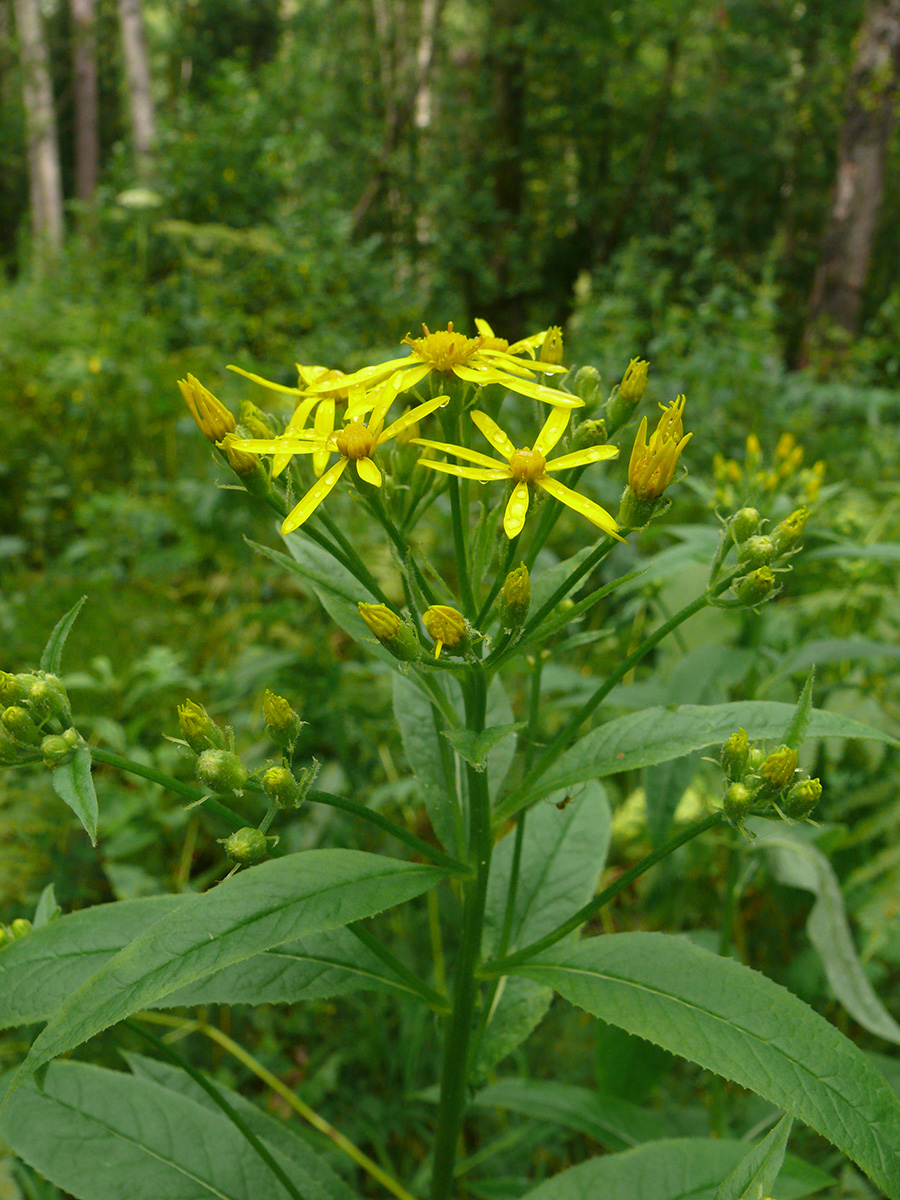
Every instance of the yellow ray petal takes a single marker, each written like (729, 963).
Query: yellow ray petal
(369, 376)
(368, 472)
(295, 428)
(554, 428)
(494, 434)
(460, 452)
(313, 497)
(293, 445)
(266, 383)
(516, 511)
(410, 418)
(483, 328)
(524, 387)
(581, 458)
(464, 472)
(594, 513)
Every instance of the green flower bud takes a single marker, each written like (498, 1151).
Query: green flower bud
(18, 723)
(777, 769)
(255, 422)
(756, 551)
(395, 634)
(744, 524)
(788, 534)
(283, 723)
(14, 688)
(737, 802)
(515, 599)
(20, 928)
(70, 737)
(735, 753)
(246, 846)
(47, 697)
(282, 788)
(587, 434)
(198, 728)
(12, 754)
(221, 771)
(802, 798)
(586, 386)
(635, 512)
(56, 750)
(755, 758)
(755, 588)
(627, 395)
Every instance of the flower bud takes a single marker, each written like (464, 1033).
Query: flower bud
(20, 928)
(744, 524)
(737, 802)
(515, 599)
(246, 846)
(634, 382)
(587, 384)
(240, 461)
(587, 434)
(787, 535)
(20, 726)
(212, 417)
(756, 551)
(282, 788)
(255, 421)
(446, 627)
(14, 688)
(56, 750)
(735, 753)
(777, 769)
(70, 737)
(221, 771)
(198, 728)
(802, 798)
(552, 346)
(5, 936)
(47, 697)
(283, 723)
(756, 587)
(395, 634)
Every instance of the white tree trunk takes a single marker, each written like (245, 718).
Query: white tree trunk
(45, 184)
(140, 91)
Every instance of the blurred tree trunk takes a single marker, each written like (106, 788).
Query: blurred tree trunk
(84, 71)
(140, 91)
(836, 300)
(45, 186)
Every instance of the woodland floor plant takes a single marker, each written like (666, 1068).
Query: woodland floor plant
(475, 460)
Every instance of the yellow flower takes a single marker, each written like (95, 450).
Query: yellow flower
(525, 468)
(474, 360)
(653, 463)
(356, 443)
(445, 626)
(211, 415)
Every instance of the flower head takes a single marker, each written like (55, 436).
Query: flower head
(212, 417)
(527, 468)
(653, 463)
(445, 626)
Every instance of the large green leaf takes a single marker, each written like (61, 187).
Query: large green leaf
(741, 1025)
(755, 1174)
(102, 1135)
(656, 735)
(673, 1169)
(262, 907)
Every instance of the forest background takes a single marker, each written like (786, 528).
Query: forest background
(713, 186)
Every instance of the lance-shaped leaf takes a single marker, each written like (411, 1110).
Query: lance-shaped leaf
(755, 1174)
(51, 658)
(741, 1025)
(73, 783)
(262, 907)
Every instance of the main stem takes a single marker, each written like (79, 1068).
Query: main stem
(458, 1032)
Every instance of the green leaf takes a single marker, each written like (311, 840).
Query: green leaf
(799, 864)
(741, 1025)
(40, 972)
(262, 907)
(831, 650)
(51, 658)
(655, 735)
(430, 758)
(610, 1120)
(755, 1174)
(102, 1134)
(47, 908)
(673, 1169)
(475, 747)
(73, 783)
(799, 722)
(519, 1007)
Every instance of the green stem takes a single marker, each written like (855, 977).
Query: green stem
(401, 545)
(433, 998)
(219, 1100)
(235, 820)
(458, 1033)
(569, 584)
(352, 560)
(498, 581)
(459, 545)
(503, 965)
(452, 865)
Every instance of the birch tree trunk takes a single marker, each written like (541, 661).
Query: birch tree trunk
(838, 288)
(84, 70)
(140, 91)
(45, 185)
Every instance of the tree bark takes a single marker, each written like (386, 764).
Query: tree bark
(84, 70)
(45, 185)
(835, 304)
(140, 91)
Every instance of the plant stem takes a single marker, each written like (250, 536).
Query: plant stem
(501, 966)
(459, 546)
(434, 999)
(568, 584)
(458, 1032)
(235, 820)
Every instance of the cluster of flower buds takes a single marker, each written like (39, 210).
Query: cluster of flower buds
(17, 929)
(760, 556)
(35, 720)
(756, 781)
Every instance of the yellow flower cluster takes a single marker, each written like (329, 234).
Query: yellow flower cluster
(736, 481)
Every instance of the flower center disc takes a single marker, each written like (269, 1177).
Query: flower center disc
(527, 466)
(444, 349)
(354, 441)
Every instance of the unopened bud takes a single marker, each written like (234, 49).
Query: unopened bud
(778, 768)
(246, 846)
(56, 749)
(634, 382)
(737, 802)
(394, 633)
(20, 928)
(587, 434)
(212, 417)
(756, 587)
(281, 787)
(18, 723)
(14, 688)
(240, 461)
(802, 798)
(282, 721)
(744, 524)
(255, 421)
(47, 697)
(788, 534)
(735, 753)
(552, 346)
(198, 728)
(446, 627)
(221, 771)
(515, 599)
(756, 551)
(586, 386)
